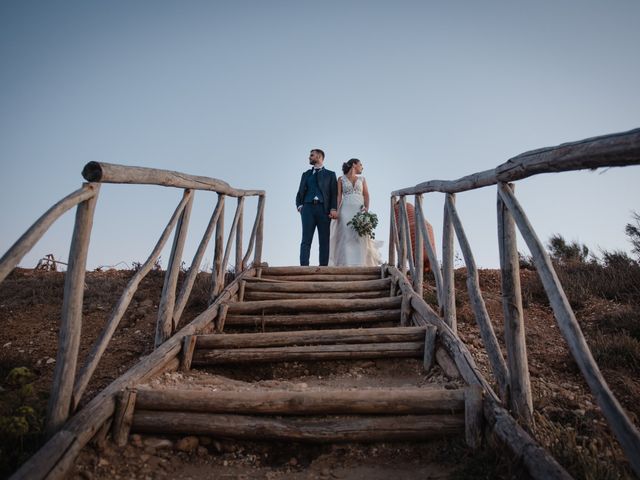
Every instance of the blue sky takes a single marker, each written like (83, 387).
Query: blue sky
(241, 90)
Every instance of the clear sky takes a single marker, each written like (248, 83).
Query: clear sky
(241, 90)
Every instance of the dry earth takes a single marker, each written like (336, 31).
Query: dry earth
(568, 422)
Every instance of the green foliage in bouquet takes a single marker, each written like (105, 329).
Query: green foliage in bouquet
(364, 223)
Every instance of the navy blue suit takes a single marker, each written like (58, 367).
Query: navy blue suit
(317, 195)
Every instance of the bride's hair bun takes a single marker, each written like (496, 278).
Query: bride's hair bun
(349, 165)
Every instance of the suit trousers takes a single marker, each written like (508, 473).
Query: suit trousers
(314, 216)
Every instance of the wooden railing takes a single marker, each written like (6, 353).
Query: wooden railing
(67, 389)
(512, 375)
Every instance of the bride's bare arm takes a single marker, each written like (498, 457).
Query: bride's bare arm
(365, 194)
(339, 193)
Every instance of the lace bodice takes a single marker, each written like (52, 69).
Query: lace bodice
(350, 189)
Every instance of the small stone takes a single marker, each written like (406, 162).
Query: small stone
(8, 344)
(293, 462)
(50, 361)
(187, 444)
(103, 462)
(217, 445)
(144, 457)
(225, 463)
(158, 443)
(202, 451)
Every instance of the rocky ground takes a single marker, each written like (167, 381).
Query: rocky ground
(568, 422)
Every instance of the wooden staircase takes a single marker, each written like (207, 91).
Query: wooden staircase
(309, 314)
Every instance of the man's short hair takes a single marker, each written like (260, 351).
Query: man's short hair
(317, 150)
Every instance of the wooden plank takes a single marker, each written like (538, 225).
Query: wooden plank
(123, 416)
(164, 325)
(98, 349)
(473, 416)
(322, 278)
(112, 173)
(406, 230)
(310, 353)
(241, 290)
(388, 401)
(25, 243)
(311, 337)
(314, 270)
(232, 233)
(251, 296)
(186, 355)
(496, 360)
(71, 322)
(446, 363)
(47, 457)
(613, 150)
(448, 280)
(429, 347)
(358, 429)
(521, 402)
(324, 287)
(310, 319)
(314, 305)
(623, 428)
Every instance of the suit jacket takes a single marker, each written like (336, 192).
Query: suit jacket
(328, 185)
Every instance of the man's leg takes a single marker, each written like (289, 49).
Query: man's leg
(308, 227)
(324, 227)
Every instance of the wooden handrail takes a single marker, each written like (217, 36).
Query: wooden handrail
(112, 173)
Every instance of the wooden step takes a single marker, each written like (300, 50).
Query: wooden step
(253, 295)
(313, 319)
(323, 287)
(293, 270)
(314, 305)
(322, 277)
(310, 337)
(387, 401)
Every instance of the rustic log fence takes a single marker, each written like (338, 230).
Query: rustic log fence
(68, 388)
(512, 376)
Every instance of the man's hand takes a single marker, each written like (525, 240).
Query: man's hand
(333, 215)
(300, 209)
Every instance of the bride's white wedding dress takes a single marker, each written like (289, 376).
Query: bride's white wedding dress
(347, 248)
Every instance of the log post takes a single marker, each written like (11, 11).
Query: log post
(514, 331)
(187, 285)
(498, 365)
(241, 290)
(407, 232)
(405, 310)
(232, 232)
(164, 327)
(188, 347)
(254, 230)
(433, 258)
(402, 241)
(222, 316)
(216, 285)
(239, 265)
(71, 321)
(625, 431)
(123, 416)
(257, 259)
(393, 234)
(473, 416)
(429, 347)
(418, 247)
(448, 285)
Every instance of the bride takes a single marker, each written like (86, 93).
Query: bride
(347, 248)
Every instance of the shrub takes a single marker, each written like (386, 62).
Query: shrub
(633, 232)
(567, 253)
(618, 350)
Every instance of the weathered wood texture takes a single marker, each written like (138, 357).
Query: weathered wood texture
(321, 277)
(309, 319)
(164, 326)
(311, 337)
(324, 287)
(227, 251)
(273, 271)
(257, 258)
(431, 253)
(217, 273)
(29, 238)
(430, 336)
(614, 150)
(393, 233)
(521, 402)
(186, 355)
(254, 231)
(473, 416)
(623, 428)
(307, 429)
(498, 365)
(123, 416)
(112, 173)
(389, 401)
(71, 322)
(418, 279)
(448, 283)
(56, 457)
(238, 264)
(98, 349)
(310, 353)
(313, 305)
(406, 231)
(253, 295)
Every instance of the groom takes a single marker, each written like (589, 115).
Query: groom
(316, 200)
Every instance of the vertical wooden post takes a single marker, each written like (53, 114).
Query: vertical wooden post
(257, 259)
(217, 255)
(239, 264)
(71, 321)
(164, 327)
(429, 347)
(418, 247)
(514, 334)
(473, 416)
(392, 233)
(186, 356)
(227, 251)
(448, 285)
(123, 416)
(222, 317)
(433, 258)
(256, 223)
(402, 241)
(408, 250)
(405, 309)
(241, 289)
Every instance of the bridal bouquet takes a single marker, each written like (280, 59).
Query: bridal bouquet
(364, 223)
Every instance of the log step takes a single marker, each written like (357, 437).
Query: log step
(266, 271)
(309, 353)
(311, 337)
(322, 277)
(387, 401)
(314, 305)
(307, 429)
(324, 287)
(311, 319)
(254, 295)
